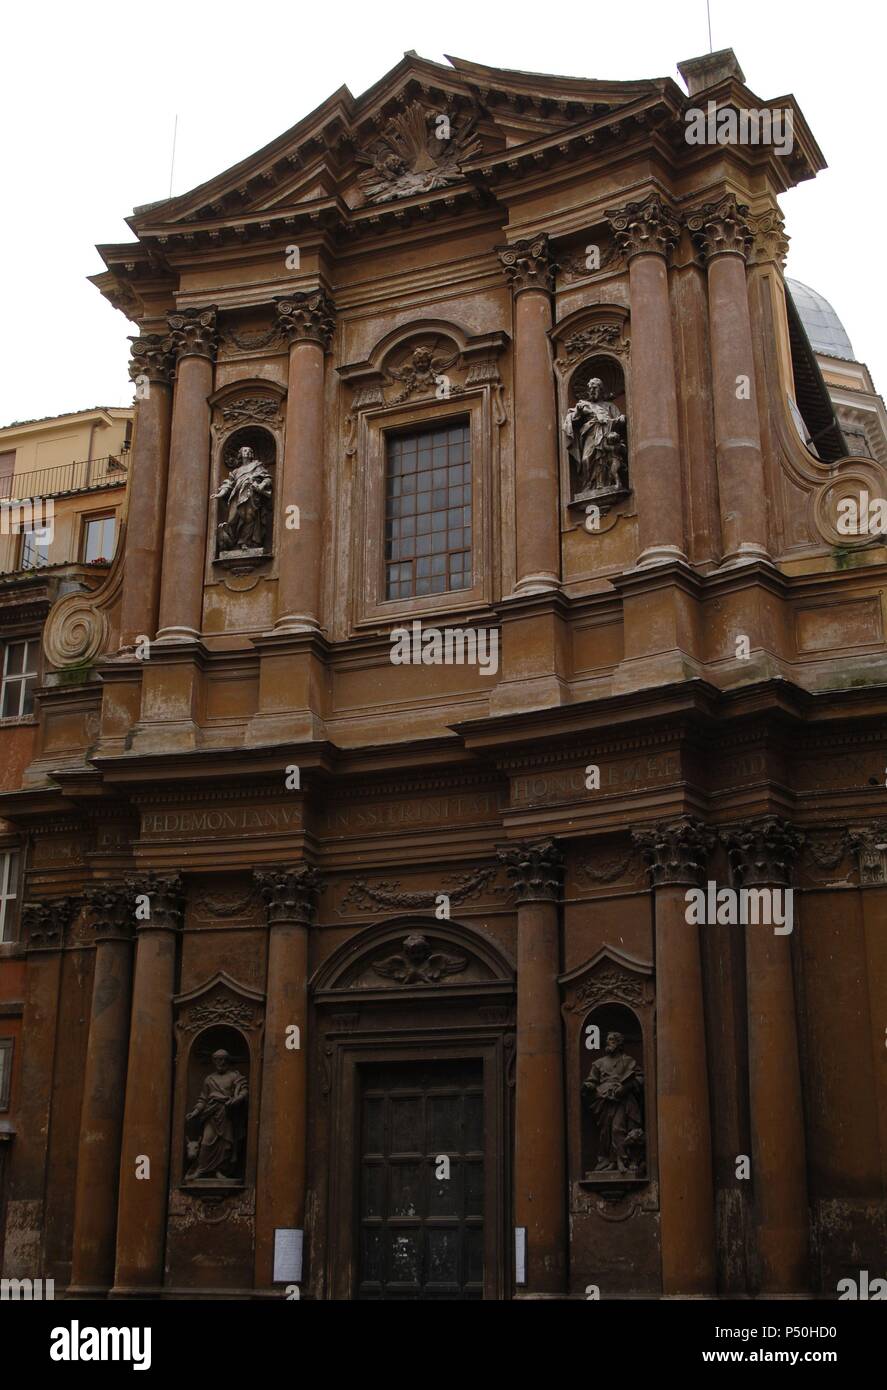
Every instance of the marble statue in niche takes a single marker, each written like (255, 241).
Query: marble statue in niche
(246, 496)
(614, 1090)
(220, 1114)
(595, 430)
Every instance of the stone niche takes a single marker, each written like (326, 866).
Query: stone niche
(247, 432)
(611, 1123)
(214, 1146)
(592, 362)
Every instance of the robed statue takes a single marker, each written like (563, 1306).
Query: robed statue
(218, 1112)
(614, 1090)
(595, 431)
(247, 493)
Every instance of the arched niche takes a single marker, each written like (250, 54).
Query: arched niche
(246, 415)
(593, 369)
(218, 1097)
(613, 1126)
(611, 993)
(219, 1015)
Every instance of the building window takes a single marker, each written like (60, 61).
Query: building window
(34, 552)
(98, 539)
(19, 679)
(9, 874)
(428, 511)
(6, 1046)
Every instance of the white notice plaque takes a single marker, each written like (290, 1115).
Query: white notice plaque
(288, 1255)
(520, 1254)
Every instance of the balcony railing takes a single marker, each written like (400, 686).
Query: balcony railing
(83, 476)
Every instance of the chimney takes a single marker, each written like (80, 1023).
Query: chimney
(709, 70)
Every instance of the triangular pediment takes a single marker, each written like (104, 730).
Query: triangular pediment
(414, 132)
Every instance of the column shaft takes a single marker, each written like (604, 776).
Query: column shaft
(280, 1188)
(142, 1203)
(101, 1118)
(149, 467)
(685, 1160)
(647, 232)
(723, 234)
(535, 445)
(184, 539)
(301, 551)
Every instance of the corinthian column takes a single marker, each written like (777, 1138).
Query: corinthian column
(647, 233)
(194, 341)
(723, 235)
(151, 370)
(144, 1187)
(870, 843)
(540, 1177)
(291, 896)
(104, 1087)
(676, 856)
(761, 855)
(43, 930)
(529, 268)
(308, 320)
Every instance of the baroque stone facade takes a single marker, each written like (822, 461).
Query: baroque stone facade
(475, 623)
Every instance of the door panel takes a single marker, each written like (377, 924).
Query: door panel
(421, 1236)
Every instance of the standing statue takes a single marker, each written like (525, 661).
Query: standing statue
(216, 1153)
(595, 432)
(614, 1088)
(247, 491)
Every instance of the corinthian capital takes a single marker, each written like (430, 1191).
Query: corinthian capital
(528, 264)
(112, 907)
(534, 869)
(722, 228)
(870, 845)
(649, 227)
(307, 318)
(44, 923)
(152, 357)
(290, 894)
(762, 852)
(675, 852)
(158, 900)
(770, 239)
(193, 333)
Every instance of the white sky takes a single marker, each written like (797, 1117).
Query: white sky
(90, 91)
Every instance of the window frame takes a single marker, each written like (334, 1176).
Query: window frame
(9, 915)
(86, 519)
(20, 677)
(370, 606)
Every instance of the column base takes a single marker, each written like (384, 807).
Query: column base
(659, 555)
(541, 583)
(745, 554)
(295, 622)
(177, 634)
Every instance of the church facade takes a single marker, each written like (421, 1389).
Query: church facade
(454, 850)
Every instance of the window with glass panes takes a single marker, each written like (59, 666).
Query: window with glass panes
(428, 511)
(98, 538)
(18, 679)
(8, 892)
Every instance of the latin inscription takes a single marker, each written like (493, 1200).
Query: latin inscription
(213, 821)
(571, 785)
(396, 815)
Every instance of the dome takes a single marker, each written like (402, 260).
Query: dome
(825, 330)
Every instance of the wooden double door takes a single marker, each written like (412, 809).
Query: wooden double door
(420, 1179)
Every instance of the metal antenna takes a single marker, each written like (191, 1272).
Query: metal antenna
(172, 162)
(708, 13)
